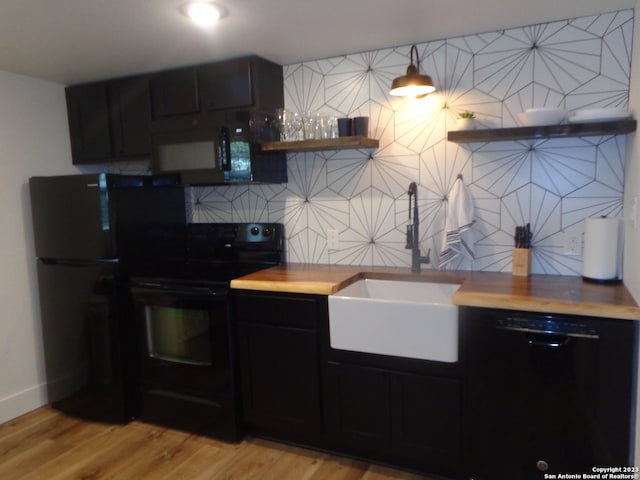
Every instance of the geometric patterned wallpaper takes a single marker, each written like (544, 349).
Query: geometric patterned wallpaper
(552, 184)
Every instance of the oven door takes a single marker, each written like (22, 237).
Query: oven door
(185, 337)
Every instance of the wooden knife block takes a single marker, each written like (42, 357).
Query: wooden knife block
(521, 262)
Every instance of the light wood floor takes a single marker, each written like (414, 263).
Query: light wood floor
(45, 444)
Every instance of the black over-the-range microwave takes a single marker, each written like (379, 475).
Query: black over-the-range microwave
(214, 150)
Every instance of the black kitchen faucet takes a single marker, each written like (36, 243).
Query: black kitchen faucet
(413, 232)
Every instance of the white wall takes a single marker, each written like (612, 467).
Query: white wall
(631, 190)
(34, 140)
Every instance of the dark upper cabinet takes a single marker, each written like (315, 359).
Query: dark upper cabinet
(175, 92)
(109, 120)
(225, 85)
(247, 83)
(127, 119)
(88, 112)
(131, 117)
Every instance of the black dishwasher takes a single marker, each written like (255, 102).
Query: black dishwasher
(546, 394)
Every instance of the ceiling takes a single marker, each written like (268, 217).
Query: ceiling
(74, 41)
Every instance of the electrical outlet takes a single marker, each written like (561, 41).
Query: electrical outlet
(572, 244)
(333, 240)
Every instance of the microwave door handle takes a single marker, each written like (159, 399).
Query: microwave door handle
(225, 149)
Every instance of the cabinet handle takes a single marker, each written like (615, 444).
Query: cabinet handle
(547, 340)
(525, 330)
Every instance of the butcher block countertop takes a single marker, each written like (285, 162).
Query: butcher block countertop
(537, 293)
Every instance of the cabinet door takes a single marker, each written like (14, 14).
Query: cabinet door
(131, 117)
(280, 380)
(426, 419)
(88, 111)
(174, 93)
(225, 85)
(357, 408)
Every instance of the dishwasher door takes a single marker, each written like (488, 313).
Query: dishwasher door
(546, 394)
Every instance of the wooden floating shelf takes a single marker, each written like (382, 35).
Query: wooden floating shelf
(341, 143)
(549, 131)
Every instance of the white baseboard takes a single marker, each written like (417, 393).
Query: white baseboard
(22, 402)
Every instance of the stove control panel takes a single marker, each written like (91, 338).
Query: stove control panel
(258, 232)
(269, 235)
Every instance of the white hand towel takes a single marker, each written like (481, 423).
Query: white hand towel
(458, 237)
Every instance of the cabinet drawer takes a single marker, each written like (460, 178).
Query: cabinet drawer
(276, 309)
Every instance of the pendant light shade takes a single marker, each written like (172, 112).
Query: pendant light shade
(413, 84)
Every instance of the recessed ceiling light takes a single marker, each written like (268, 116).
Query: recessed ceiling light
(203, 13)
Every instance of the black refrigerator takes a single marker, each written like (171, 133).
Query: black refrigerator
(89, 230)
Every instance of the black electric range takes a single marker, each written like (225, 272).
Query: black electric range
(187, 375)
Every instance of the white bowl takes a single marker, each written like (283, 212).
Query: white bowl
(598, 115)
(541, 116)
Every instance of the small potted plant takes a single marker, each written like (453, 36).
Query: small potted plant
(466, 120)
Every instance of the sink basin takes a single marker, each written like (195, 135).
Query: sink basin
(399, 318)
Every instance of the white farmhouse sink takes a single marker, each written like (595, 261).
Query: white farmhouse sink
(399, 318)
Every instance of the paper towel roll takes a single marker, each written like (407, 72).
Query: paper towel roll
(602, 249)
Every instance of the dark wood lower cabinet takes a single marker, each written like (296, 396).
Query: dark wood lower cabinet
(426, 420)
(279, 378)
(405, 419)
(295, 388)
(279, 364)
(357, 405)
(516, 403)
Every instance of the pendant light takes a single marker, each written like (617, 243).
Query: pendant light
(413, 84)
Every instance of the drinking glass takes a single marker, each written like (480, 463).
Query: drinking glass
(309, 125)
(319, 127)
(294, 126)
(332, 127)
(289, 125)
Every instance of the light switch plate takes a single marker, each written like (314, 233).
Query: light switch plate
(572, 244)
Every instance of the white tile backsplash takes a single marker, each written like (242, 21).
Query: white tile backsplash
(552, 184)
